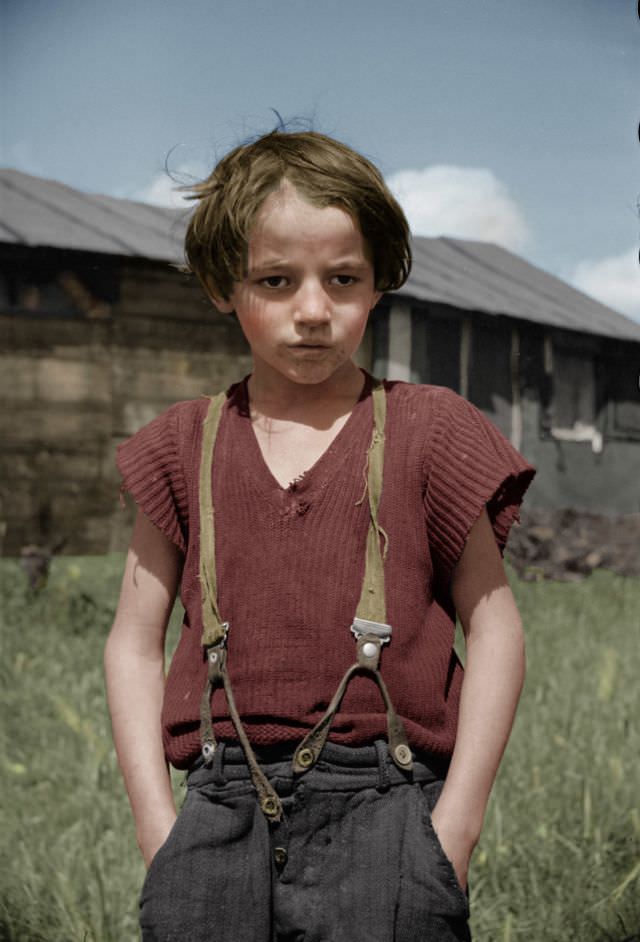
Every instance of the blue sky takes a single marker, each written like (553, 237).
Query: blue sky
(509, 120)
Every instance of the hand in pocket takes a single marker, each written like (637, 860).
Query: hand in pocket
(154, 835)
(455, 844)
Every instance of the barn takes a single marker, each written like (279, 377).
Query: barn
(99, 331)
(554, 369)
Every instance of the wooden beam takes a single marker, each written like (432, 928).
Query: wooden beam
(399, 365)
(516, 398)
(465, 356)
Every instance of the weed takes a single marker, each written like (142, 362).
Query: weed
(559, 857)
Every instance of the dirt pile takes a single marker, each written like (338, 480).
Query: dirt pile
(567, 545)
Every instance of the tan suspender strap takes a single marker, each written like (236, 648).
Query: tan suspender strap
(372, 606)
(308, 751)
(213, 630)
(372, 599)
(369, 626)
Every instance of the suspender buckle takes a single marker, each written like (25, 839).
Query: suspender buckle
(221, 640)
(361, 626)
(217, 655)
(370, 636)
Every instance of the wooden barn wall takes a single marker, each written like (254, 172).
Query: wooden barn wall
(92, 348)
(597, 477)
(600, 477)
(73, 387)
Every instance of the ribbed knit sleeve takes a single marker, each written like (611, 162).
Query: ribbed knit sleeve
(152, 473)
(470, 465)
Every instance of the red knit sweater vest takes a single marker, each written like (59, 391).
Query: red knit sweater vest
(290, 563)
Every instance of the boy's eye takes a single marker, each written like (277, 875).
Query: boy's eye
(274, 281)
(344, 280)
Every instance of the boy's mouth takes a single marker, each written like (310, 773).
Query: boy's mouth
(309, 346)
(308, 351)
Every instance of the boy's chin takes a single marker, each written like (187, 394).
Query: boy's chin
(306, 373)
(313, 374)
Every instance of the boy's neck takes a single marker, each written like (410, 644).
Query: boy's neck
(278, 397)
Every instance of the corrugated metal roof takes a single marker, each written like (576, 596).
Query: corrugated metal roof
(480, 276)
(474, 276)
(39, 212)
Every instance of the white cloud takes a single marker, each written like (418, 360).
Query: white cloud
(614, 281)
(161, 191)
(463, 202)
(164, 189)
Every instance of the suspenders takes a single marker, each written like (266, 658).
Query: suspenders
(369, 628)
(214, 630)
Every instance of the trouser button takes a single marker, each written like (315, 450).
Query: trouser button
(280, 856)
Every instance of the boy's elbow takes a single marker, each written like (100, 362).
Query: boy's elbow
(112, 651)
(132, 640)
(518, 646)
(523, 655)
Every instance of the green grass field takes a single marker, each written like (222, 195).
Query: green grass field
(560, 855)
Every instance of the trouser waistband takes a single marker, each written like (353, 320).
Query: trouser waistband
(338, 767)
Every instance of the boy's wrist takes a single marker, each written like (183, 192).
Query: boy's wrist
(458, 818)
(153, 832)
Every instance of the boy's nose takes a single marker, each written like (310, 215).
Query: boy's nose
(312, 305)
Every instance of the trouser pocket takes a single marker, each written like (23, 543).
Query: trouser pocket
(430, 794)
(215, 857)
(432, 903)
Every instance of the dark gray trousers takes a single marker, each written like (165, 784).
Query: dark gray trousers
(355, 858)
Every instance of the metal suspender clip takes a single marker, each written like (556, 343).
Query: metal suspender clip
(370, 636)
(361, 627)
(216, 655)
(215, 652)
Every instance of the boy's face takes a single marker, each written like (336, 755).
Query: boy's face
(304, 303)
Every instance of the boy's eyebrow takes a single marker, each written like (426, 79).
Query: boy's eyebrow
(268, 263)
(348, 261)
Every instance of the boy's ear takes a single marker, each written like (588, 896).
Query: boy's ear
(376, 297)
(225, 307)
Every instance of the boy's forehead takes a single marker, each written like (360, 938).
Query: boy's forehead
(287, 221)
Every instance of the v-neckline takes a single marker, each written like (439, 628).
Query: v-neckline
(300, 491)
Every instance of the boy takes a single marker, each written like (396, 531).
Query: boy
(308, 501)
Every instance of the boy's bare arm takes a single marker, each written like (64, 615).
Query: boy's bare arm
(494, 674)
(134, 669)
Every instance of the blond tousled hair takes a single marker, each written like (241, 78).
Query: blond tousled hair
(324, 171)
